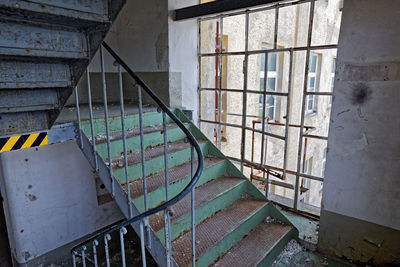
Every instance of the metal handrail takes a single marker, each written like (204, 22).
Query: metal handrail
(190, 138)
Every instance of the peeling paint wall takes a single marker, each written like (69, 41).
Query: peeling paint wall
(362, 179)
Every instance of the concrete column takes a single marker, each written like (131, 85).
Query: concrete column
(360, 217)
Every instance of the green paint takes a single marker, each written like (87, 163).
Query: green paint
(133, 143)
(156, 164)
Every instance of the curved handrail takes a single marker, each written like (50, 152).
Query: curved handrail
(188, 134)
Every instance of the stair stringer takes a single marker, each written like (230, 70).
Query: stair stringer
(156, 248)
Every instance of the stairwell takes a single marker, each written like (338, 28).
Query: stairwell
(235, 224)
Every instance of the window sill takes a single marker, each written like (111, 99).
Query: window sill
(310, 113)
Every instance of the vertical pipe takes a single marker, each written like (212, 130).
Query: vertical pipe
(220, 84)
(244, 109)
(122, 232)
(286, 153)
(263, 108)
(267, 186)
(107, 238)
(95, 244)
(121, 103)
(166, 214)
(305, 85)
(91, 119)
(78, 116)
(199, 77)
(103, 77)
(193, 208)
(276, 27)
(142, 244)
(83, 256)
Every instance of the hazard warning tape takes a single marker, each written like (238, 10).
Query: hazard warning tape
(23, 141)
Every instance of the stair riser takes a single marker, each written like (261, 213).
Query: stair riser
(133, 143)
(222, 201)
(29, 40)
(14, 74)
(277, 249)
(155, 165)
(131, 122)
(28, 100)
(232, 238)
(14, 123)
(157, 196)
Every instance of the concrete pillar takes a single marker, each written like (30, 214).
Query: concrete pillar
(360, 217)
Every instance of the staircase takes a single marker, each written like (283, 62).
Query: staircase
(45, 47)
(232, 221)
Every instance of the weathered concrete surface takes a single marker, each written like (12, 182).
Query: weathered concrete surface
(362, 185)
(50, 200)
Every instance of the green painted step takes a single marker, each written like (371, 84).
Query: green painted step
(178, 153)
(210, 197)
(131, 122)
(260, 247)
(220, 232)
(153, 136)
(179, 177)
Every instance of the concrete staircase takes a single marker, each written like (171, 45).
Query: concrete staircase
(235, 224)
(45, 46)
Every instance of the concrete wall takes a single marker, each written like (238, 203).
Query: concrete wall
(183, 62)
(50, 200)
(360, 219)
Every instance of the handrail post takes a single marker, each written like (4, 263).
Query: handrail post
(96, 164)
(78, 116)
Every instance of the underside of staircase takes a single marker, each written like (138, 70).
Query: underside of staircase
(235, 224)
(45, 47)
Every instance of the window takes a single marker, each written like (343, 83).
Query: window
(312, 82)
(271, 83)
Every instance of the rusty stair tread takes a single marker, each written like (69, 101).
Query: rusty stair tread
(254, 247)
(100, 139)
(175, 174)
(211, 231)
(203, 194)
(152, 152)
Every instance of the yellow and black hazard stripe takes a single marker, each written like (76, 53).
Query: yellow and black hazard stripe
(23, 141)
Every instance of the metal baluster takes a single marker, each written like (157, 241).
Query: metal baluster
(103, 76)
(83, 256)
(142, 151)
(121, 102)
(91, 119)
(95, 244)
(107, 238)
(166, 212)
(142, 244)
(122, 232)
(78, 116)
(193, 208)
(74, 258)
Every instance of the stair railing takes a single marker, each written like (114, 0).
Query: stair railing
(81, 250)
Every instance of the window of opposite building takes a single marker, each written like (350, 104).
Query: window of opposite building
(313, 75)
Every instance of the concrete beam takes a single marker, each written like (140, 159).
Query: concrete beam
(216, 7)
